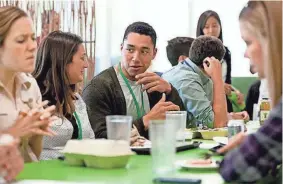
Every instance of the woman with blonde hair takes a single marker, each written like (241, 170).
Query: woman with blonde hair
(21, 112)
(255, 155)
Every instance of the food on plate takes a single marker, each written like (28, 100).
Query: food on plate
(139, 142)
(209, 134)
(192, 129)
(199, 162)
(205, 128)
(213, 129)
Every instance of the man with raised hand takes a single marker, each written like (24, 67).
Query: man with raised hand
(127, 89)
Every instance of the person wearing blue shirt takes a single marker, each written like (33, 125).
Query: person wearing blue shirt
(198, 80)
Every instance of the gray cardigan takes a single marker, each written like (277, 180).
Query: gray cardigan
(103, 96)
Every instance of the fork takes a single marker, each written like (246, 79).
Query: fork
(208, 155)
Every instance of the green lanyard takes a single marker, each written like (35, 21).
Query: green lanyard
(139, 113)
(80, 136)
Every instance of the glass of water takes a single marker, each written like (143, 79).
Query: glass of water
(162, 135)
(119, 127)
(180, 120)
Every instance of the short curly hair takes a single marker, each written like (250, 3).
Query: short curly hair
(206, 46)
(142, 28)
(178, 46)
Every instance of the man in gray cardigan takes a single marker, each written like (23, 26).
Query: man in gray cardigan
(127, 89)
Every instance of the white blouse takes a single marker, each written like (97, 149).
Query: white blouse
(224, 70)
(64, 130)
(263, 90)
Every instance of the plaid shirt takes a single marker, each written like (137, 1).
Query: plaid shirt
(258, 154)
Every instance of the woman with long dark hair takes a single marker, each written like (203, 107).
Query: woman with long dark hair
(60, 64)
(209, 24)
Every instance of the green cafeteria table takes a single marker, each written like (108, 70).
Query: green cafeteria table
(138, 171)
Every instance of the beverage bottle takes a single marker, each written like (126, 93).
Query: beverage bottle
(235, 127)
(264, 109)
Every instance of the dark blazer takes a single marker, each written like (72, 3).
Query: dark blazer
(227, 58)
(104, 96)
(228, 80)
(252, 97)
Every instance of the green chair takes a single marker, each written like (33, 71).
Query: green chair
(243, 83)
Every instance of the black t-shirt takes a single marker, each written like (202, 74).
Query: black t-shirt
(252, 98)
(70, 117)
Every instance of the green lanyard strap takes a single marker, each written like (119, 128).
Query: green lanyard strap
(139, 112)
(80, 136)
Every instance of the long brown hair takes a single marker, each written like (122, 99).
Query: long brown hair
(264, 19)
(55, 52)
(8, 15)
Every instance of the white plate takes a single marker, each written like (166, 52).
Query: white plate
(147, 144)
(50, 182)
(140, 147)
(47, 182)
(207, 145)
(252, 126)
(183, 164)
(188, 135)
(222, 140)
(58, 148)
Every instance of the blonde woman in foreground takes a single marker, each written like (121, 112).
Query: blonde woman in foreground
(253, 156)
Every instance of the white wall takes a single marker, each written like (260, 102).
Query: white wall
(170, 18)
(162, 15)
(103, 43)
